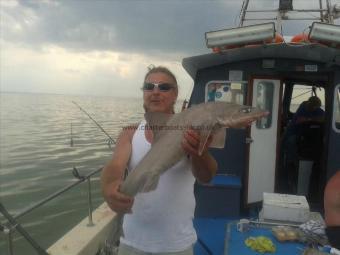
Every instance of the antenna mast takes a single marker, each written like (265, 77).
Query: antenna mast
(327, 14)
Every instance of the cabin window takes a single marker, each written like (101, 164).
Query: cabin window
(225, 91)
(336, 114)
(302, 93)
(264, 100)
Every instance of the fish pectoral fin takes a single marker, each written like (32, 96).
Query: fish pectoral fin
(204, 135)
(150, 183)
(218, 140)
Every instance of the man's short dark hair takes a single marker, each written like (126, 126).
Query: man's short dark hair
(314, 102)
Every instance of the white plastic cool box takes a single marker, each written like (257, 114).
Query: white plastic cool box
(284, 207)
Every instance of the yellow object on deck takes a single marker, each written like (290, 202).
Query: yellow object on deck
(261, 244)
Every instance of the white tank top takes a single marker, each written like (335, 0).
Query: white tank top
(162, 219)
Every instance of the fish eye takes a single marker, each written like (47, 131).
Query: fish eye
(246, 110)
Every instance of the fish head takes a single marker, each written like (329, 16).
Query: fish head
(238, 116)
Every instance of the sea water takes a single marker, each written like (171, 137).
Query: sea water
(36, 158)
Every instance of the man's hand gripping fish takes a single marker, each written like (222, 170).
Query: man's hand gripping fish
(208, 118)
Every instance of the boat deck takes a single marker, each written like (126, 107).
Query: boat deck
(212, 239)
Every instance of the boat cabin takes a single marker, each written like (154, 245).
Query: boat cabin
(254, 160)
(278, 77)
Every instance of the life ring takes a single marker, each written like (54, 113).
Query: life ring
(300, 38)
(278, 38)
(304, 39)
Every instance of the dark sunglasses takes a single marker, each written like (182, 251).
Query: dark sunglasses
(148, 86)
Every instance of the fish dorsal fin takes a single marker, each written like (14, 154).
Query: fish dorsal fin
(217, 142)
(157, 121)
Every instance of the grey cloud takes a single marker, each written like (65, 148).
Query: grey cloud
(162, 27)
(130, 26)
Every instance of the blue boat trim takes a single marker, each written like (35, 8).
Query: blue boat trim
(226, 181)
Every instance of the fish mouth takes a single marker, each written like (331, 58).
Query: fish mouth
(243, 121)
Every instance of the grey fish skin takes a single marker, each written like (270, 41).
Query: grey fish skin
(167, 150)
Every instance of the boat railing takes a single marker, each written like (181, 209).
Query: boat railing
(12, 224)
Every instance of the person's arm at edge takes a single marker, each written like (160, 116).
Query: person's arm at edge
(332, 200)
(113, 173)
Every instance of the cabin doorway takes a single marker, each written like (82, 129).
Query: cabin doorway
(301, 143)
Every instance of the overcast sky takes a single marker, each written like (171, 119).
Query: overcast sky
(103, 47)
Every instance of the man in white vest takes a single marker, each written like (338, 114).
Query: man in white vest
(161, 222)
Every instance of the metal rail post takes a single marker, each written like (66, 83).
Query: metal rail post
(90, 224)
(22, 231)
(8, 232)
(10, 242)
(13, 225)
(243, 12)
(330, 12)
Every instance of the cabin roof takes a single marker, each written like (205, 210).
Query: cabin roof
(310, 52)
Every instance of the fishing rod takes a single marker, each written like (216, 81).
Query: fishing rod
(71, 142)
(301, 94)
(312, 91)
(111, 140)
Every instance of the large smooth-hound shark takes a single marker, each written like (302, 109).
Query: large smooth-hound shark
(208, 118)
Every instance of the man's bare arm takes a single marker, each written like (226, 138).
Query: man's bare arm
(204, 166)
(332, 201)
(113, 173)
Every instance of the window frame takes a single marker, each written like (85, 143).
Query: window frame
(243, 83)
(258, 126)
(336, 103)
